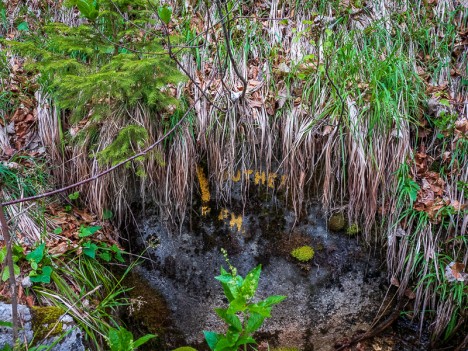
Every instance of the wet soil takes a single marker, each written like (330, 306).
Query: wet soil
(336, 295)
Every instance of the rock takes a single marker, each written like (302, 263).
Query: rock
(71, 336)
(337, 222)
(26, 282)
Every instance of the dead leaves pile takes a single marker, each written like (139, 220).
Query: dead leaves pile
(70, 223)
(432, 196)
(19, 124)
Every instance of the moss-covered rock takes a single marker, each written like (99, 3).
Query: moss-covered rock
(337, 222)
(46, 321)
(353, 229)
(303, 253)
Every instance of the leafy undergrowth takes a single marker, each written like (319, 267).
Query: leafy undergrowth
(365, 101)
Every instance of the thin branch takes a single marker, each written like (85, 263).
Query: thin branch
(228, 47)
(11, 269)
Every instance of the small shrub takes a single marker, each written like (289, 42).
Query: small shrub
(303, 253)
(243, 316)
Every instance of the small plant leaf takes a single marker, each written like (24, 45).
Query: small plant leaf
(88, 231)
(273, 300)
(211, 338)
(106, 256)
(74, 196)
(244, 340)
(89, 249)
(255, 321)
(87, 9)
(230, 319)
(44, 276)
(23, 27)
(250, 284)
(58, 230)
(143, 340)
(37, 254)
(165, 14)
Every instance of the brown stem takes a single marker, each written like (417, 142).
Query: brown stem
(11, 269)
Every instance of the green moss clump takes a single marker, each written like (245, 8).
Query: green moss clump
(353, 229)
(337, 222)
(303, 253)
(44, 321)
(185, 348)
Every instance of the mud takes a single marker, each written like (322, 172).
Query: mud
(336, 295)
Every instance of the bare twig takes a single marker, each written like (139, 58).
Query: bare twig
(9, 261)
(228, 47)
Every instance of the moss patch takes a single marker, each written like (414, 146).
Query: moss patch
(337, 222)
(44, 321)
(303, 253)
(353, 229)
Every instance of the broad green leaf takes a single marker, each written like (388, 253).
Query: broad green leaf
(244, 340)
(106, 256)
(444, 102)
(74, 196)
(89, 249)
(230, 319)
(272, 300)
(6, 324)
(143, 340)
(6, 272)
(113, 339)
(34, 265)
(87, 9)
(237, 305)
(37, 254)
(261, 310)
(225, 343)
(18, 250)
(44, 276)
(165, 13)
(88, 231)
(23, 27)
(255, 321)
(250, 284)
(211, 338)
